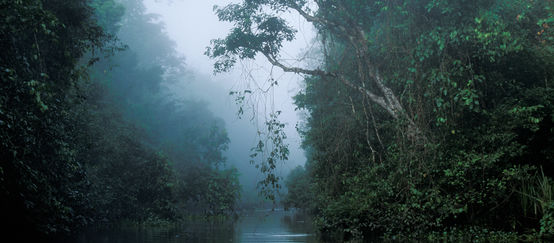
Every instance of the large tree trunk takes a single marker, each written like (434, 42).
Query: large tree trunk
(386, 100)
(367, 72)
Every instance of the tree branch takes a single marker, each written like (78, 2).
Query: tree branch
(356, 36)
(318, 72)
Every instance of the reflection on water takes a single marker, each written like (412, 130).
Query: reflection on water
(279, 226)
(258, 226)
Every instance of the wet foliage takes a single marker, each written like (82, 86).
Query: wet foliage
(427, 119)
(90, 131)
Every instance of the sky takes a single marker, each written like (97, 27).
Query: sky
(192, 24)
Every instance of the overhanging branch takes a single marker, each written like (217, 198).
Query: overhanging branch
(324, 74)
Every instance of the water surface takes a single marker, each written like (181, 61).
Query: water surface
(256, 226)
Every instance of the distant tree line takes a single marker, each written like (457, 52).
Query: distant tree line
(90, 132)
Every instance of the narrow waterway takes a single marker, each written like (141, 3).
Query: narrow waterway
(256, 226)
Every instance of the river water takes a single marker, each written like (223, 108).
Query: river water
(256, 226)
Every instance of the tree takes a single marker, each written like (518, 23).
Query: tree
(179, 143)
(41, 183)
(298, 189)
(417, 112)
(257, 31)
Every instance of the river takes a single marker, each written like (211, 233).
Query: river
(255, 226)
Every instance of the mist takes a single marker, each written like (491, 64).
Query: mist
(276, 120)
(192, 40)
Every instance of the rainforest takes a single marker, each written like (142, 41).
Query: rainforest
(333, 121)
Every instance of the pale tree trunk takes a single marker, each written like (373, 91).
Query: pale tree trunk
(367, 73)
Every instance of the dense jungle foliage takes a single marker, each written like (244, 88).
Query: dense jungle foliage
(427, 119)
(90, 131)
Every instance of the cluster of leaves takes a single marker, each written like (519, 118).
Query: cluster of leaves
(298, 189)
(209, 191)
(41, 181)
(271, 149)
(117, 160)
